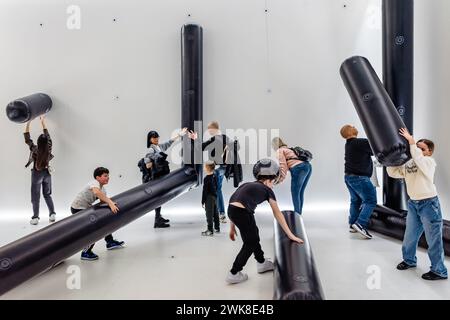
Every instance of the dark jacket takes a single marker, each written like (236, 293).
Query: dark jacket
(34, 149)
(234, 166)
(217, 143)
(209, 187)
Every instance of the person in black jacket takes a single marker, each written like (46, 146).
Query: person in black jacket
(209, 198)
(358, 170)
(218, 146)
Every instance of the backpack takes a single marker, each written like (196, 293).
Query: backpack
(302, 154)
(146, 172)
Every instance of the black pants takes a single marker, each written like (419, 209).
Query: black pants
(212, 215)
(158, 216)
(41, 179)
(245, 222)
(108, 238)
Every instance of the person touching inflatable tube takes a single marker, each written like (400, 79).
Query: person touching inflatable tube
(28, 108)
(376, 111)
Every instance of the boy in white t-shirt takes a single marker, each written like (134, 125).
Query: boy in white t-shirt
(424, 210)
(86, 198)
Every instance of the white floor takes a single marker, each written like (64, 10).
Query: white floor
(178, 263)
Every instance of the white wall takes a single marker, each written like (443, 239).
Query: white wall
(262, 70)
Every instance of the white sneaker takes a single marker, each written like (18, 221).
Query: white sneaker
(351, 230)
(236, 278)
(52, 217)
(267, 265)
(34, 221)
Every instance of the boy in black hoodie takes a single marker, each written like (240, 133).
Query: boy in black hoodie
(209, 198)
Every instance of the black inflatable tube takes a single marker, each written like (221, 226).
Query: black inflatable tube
(39, 251)
(393, 224)
(376, 111)
(28, 108)
(398, 79)
(192, 93)
(295, 274)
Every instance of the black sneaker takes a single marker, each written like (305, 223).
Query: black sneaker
(217, 230)
(361, 230)
(161, 224)
(88, 256)
(207, 233)
(404, 266)
(432, 276)
(164, 220)
(114, 244)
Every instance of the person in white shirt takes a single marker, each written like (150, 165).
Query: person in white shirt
(424, 210)
(93, 191)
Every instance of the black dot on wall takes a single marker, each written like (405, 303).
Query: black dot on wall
(189, 15)
(41, 24)
(345, 6)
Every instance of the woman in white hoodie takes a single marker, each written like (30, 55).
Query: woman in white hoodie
(424, 210)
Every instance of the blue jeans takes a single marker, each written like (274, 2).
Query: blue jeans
(363, 199)
(300, 175)
(220, 172)
(425, 215)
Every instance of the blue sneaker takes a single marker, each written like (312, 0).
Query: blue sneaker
(114, 244)
(89, 256)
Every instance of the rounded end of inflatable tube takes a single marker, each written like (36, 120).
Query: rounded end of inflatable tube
(16, 111)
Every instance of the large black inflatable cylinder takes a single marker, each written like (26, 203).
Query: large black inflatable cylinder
(295, 274)
(376, 111)
(28, 108)
(192, 93)
(398, 79)
(39, 251)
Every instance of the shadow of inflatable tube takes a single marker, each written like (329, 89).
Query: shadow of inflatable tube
(37, 252)
(295, 274)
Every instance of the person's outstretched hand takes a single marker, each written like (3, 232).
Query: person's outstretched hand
(192, 135)
(405, 134)
(183, 132)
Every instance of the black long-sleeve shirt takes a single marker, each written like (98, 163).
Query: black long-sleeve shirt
(209, 187)
(358, 159)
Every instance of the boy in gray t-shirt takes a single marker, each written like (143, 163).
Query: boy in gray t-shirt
(93, 191)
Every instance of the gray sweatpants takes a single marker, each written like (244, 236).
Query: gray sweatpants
(44, 179)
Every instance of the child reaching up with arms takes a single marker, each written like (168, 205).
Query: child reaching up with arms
(424, 209)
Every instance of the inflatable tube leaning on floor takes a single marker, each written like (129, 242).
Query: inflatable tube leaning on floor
(28, 108)
(393, 224)
(376, 111)
(295, 274)
(37, 252)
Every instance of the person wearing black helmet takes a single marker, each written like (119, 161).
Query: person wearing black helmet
(241, 211)
(155, 155)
